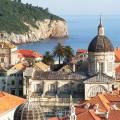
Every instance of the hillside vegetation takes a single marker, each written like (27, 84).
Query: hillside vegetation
(13, 15)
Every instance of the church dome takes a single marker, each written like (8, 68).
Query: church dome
(100, 44)
(29, 111)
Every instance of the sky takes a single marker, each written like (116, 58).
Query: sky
(78, 7)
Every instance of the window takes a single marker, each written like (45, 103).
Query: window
(38, 88)
(109, 66)
(20, 82)
(101, 67)
(93, 91)
(20, 93)
(52, 88)
(66, 88)
(2, 60)
(3, 88)
(2, 74)
(13, 91)
(80, 88)
(13, 82)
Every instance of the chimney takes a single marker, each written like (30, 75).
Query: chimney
(74, 67)
(107, 115)
(72, 113)
(96, 108)
(87, 106)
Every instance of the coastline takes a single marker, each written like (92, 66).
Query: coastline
(38, 41)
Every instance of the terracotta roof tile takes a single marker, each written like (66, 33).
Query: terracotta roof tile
(117, 69)
(16, 68)
(117, 54)
(88, 115)
(102, 101)
(114, 115)
(56, 118)
(81, 51)
(8, 102)
(112, 97)
(42, 66)
(29, 54)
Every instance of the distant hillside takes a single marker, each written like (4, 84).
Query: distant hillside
(15, 16)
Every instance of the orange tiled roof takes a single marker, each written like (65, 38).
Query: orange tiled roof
(117, 55)
(81, 51)
(79, 110)
(55, 118)
(102, 101)
(29, 54)
(117, 69)
(42, 66)
(114, 115)
(91, 115)
(112, 97)
(88, 115)
(16, 68)
(8, 102)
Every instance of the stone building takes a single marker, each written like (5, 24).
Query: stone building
(101, 65)
(7, 53)
(11, 80)
(55, 90)
(8, 105)
(28, 55)
(101, 56)
(97, 84)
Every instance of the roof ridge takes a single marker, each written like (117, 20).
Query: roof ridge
(104, 101)
(92, 114)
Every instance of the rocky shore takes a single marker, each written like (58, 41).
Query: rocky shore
(43, 30)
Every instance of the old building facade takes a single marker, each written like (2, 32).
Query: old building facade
(7, 53)
(101, 65)
(55, 90)
(101, 54)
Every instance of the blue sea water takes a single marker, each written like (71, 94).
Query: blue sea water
(82, 29)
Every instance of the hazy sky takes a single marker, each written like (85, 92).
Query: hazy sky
(79, 6)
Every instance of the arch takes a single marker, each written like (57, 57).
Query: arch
(94, 90)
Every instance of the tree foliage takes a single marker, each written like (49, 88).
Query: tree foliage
(14, 15)
(63, 52)
(48, 58)
(59, 52)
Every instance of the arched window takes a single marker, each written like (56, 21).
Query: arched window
(94, 90)
(80, 88)
(52, 88)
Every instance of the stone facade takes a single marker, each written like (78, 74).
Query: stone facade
(54, 90)
(7, 54)
(101, 62)
(101, 65)
(12, 83)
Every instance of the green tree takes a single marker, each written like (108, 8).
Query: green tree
(59, 52)
(48, 58)
(69, 53)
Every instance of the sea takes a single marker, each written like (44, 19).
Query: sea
(82, 29)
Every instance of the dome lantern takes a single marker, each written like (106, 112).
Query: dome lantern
(101, 30)
(100, 43)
